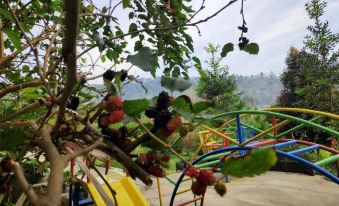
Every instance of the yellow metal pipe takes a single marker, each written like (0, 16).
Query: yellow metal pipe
(183, 191)
(281, 124)
(230, 121)
(301, 110)
(200, 146)
(159, 191)
(220, 134)
(186, 179)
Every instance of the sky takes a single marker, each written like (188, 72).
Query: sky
(275, 25)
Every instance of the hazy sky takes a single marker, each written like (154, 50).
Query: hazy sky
(275, 25)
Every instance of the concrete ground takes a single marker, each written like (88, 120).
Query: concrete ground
(270, 189)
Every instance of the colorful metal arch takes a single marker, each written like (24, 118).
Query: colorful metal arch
(285, 116)
(293, 156)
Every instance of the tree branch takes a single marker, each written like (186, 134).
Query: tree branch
(178, 26)
(21, 86)
(12, 56)
(23, 184)
(85, 150)
(26, 109)
(161, 142)
(69, 52)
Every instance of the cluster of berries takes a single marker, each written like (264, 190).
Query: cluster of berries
(153, 162)
(110, 75)
(163, 118)
(114, 106)
(5, 167)
(243, 41)
(204, 178)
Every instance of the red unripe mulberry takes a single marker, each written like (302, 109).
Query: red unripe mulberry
(192, 172)
(165, 132)
(206, 177)
(114, 103)
(198, 188)
(116, 116)
(174, 123)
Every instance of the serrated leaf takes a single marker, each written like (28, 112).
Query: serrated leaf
(14, 36)
(256, 162)
(144, 59)
(136, 106)
(11, 138)
(252, 48)
(226, 49)
(175, 84)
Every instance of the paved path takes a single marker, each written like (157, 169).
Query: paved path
(270, 189)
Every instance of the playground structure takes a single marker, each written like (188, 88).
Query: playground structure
(117, 187)
(215, 149)
(216, 144)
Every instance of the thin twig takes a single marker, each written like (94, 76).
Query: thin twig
(161, 142)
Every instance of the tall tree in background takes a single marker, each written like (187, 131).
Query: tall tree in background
(310, 79)
(217, 84)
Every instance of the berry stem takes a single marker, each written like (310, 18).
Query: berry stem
(162, 142)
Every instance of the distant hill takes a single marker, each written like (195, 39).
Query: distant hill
(260, 89)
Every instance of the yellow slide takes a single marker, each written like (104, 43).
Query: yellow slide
(127, 193)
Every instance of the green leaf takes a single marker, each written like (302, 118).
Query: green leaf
(103, 58)
(226, 49)
(136, 106)
(126, 3)
(256, 162)
(175, 84)
(132, 28)
(131, 15)
(144, 59)
(182, 104)
(111, 87)
(252, 48)
(14, 36)
(5, 13)
(11, 138)
(90, 8)
(30, 93)
(201, 106)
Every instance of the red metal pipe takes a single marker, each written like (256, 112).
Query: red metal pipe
(106, 167)
(72, 167)
(190, 201)
(311, 143)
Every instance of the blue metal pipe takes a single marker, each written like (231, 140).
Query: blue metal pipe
(303, 150)
(284, 144)
(246, 148)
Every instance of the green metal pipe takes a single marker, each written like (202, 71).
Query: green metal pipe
(327, 160)
(298, 127)
(257, 130)
(207, 164)
(212, 157)
(171, 180)
(289, 117)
